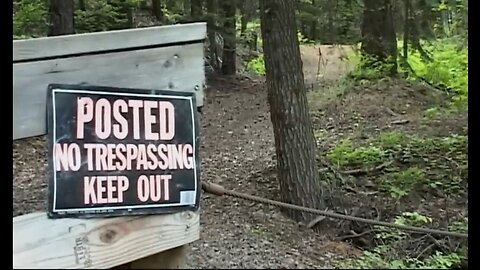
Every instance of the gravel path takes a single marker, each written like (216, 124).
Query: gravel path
(238, 153)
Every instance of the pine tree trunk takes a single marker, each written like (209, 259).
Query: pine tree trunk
(81, 5)
(196, 9)
(379, 41)
(294, 140)
(211, 26)
(229, 37)
(61, 17)
(157, 10)
(406, 32)
(313, 28)
(186, 8)
(244, 18)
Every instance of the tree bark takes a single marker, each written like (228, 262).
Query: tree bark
(244, 17)
(229, 38)
(295, 144)
(157, 10)
(379, 41)
(61, 17)
(406, 35)
(196, 9)
(313, 28)
(211, 29)
(81, 5)
(186, 8)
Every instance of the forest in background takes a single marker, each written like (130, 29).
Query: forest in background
(425, 43)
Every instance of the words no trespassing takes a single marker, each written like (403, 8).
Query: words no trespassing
(151, 123)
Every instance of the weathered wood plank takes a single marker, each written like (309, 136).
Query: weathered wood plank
(105, 41)
(43, 243)
(169, 68)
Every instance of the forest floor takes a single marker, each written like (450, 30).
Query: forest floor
(358, 127)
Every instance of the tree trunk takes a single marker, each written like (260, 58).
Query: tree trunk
(406, 35)
(294, 140)
(61, 17)
(244, 18)
(211, 29)
(196, 9)
(379, 43)
(313, 28)
(81, 5)
(186, 8)
(229, 37)
(157, 10)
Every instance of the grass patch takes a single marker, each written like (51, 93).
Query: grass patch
(345, 154)
(422, 163)
(390, 254)
(400, 184)
(447, 68)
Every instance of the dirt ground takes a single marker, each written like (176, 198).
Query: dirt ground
(237, 151)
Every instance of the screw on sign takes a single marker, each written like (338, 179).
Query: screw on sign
(116, 151)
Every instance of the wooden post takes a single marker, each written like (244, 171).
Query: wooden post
(163, 58)
(153, 242)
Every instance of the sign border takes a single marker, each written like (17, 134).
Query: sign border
(115, 211)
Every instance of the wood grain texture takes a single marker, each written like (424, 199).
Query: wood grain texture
(43, 243)
(105, 41)
(179, 68)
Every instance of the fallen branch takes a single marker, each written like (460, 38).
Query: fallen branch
(370, 170)
(316, 220)
(400, 122)
(353, 235)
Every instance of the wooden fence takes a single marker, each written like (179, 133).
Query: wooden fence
(164, 58)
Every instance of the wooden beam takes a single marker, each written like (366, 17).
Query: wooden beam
(106, 41)
(41, 243)
(179, 68)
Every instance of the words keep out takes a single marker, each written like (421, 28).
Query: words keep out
(111, 189)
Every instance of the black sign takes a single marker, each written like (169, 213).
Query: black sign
(117, 151)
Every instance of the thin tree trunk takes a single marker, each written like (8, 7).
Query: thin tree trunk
(406, 35)
(294, 140)
(244, 18)
(61, 17)
(81, 5)
(211, 26)
(229, 37)
(313, 34)
(186, 8)
(196, 9)
(157, 10)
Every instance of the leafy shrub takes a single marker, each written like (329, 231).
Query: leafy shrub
(385, 256)
(400, 184)
(448, 68)
(344, 154)
(102, 15)
(257, 65)
(30, 19)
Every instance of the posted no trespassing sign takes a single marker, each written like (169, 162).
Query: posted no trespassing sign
(115, 151)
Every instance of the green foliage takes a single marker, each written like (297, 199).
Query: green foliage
(448, 68)
(431, 170)
(302, 39)
(385, 255)
(330, 22)
(103, 15)
(459, 226)
(400, 184)
(257, 65)
(368, 67)
(30, 19)
(344, 154)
